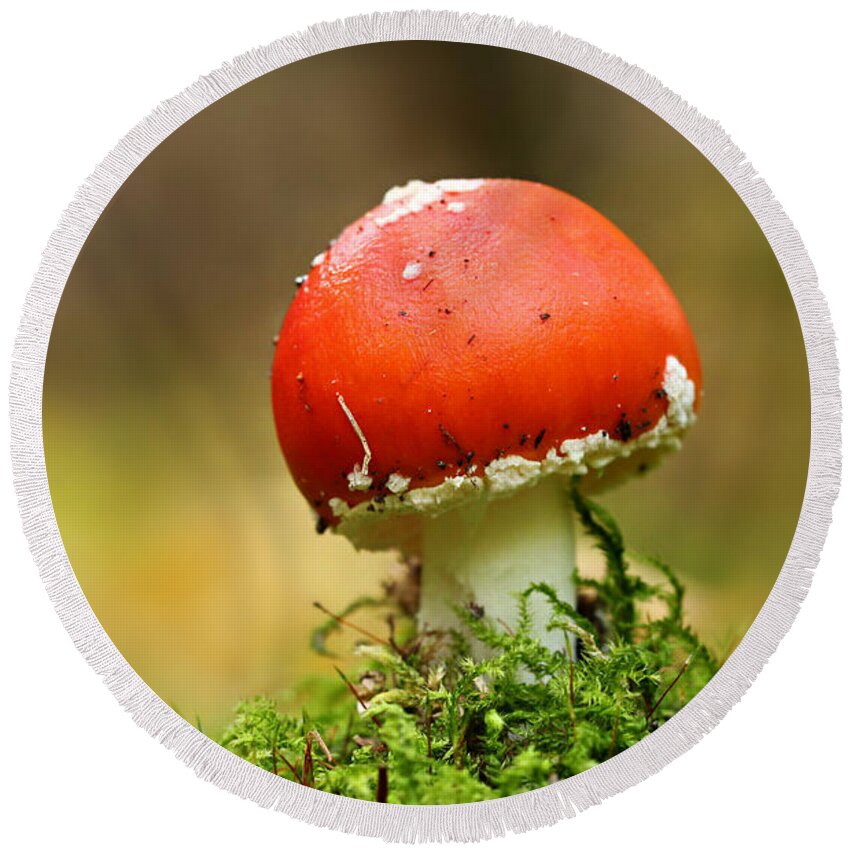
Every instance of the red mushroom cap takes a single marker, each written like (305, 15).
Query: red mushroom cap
(465, 337)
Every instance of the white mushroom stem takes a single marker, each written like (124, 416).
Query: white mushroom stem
(488, 552)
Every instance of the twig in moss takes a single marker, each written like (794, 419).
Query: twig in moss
(343, 622)
(315, 736)
(307, 777)
(670, 687)
(356, 695)
(291, 766)
(392, 641)
(383, 789)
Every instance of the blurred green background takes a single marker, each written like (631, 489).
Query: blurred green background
(188, 537)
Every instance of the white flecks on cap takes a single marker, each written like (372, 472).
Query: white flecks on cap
(317, 260)
(338, 506)
(413, 191)
(412, 198)
(456, 207)
(412, 271)
(397, 483)
(456, 185)
(358, 479)
(417, 194)
(681, 393)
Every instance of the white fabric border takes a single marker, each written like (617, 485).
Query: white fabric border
(469, 821)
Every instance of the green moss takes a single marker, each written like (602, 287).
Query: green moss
(421, 722)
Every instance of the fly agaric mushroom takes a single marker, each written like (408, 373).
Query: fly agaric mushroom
(454, 359)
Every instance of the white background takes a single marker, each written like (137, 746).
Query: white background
(74, 769)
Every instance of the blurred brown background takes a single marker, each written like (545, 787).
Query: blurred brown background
(188, 538)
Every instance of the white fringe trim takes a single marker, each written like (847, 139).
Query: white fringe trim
(471, 821)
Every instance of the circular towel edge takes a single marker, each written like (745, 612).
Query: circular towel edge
(469, 821)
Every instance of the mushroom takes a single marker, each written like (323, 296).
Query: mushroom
(454, 360)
